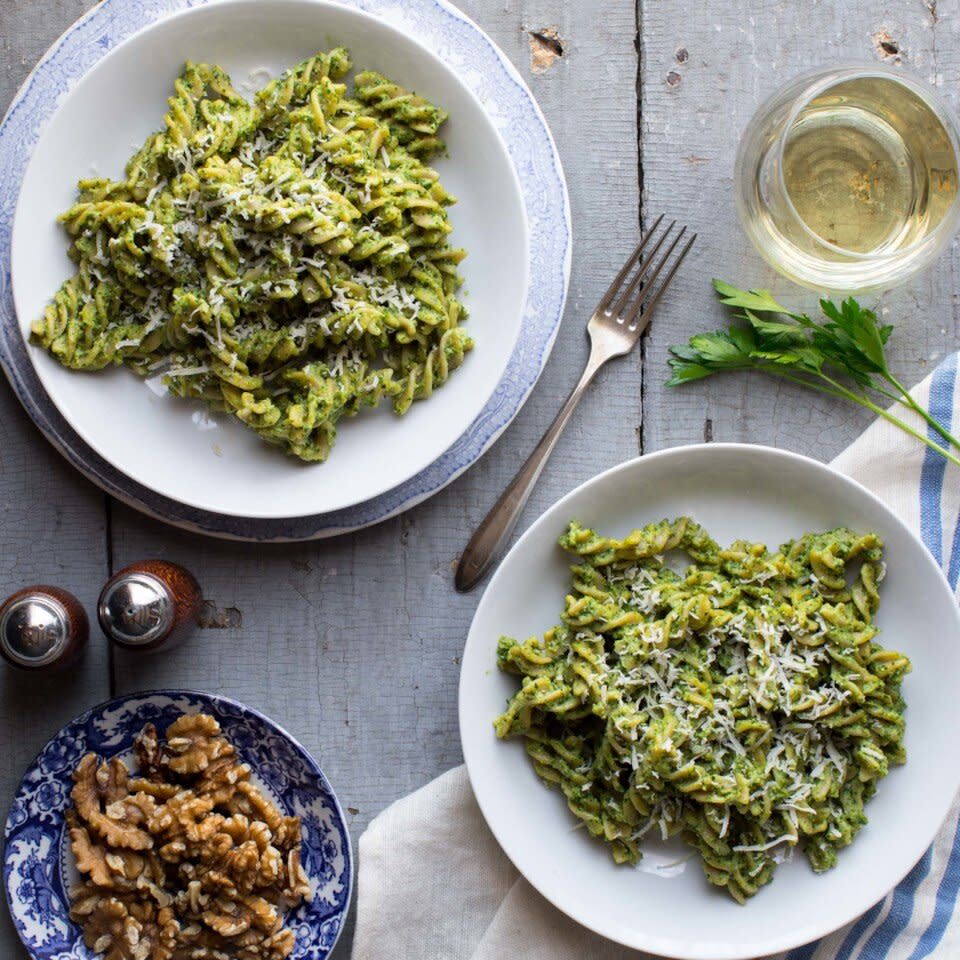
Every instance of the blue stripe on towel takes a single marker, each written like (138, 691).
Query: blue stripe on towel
(901, 910)
(805, 952)
(858, 929)
(953, 571)
(878, 944)
(935, 465)
(946, 902)
(953, 568)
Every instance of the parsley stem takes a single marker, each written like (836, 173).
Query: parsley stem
(865, 401)
(907, 400)
(835, 389)
(903, 425)
(777, 371)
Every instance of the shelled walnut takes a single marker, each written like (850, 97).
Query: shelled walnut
(188, 861)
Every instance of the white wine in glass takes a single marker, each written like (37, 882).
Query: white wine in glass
(847, 179)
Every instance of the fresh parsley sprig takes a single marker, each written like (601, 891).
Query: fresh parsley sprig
(842, 355)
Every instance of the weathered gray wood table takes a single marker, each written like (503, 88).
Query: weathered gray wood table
(353, 644)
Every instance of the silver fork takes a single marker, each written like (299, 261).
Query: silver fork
(616, 325)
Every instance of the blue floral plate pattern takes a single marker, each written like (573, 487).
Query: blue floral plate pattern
(485, 69)
(37, 864)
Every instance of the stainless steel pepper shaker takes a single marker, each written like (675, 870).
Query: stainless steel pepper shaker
(149, 606)
(42, 628)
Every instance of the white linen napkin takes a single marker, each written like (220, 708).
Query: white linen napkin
(434, 884)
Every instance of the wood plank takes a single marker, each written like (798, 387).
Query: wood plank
(51, 518)
(353, 644)
(53, 532)
(693, 113)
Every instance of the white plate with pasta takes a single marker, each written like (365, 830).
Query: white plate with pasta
(663, 903)
(210, 460)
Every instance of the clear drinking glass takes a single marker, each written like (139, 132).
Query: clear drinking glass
(846, 179)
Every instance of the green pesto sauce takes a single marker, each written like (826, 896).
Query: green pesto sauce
(286, 260)
(743, 704)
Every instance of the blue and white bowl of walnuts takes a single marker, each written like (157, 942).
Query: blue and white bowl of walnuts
(284, 794)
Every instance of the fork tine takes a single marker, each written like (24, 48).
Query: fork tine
(633, 303)
(646, 306)
(628, 266)
(628, 292)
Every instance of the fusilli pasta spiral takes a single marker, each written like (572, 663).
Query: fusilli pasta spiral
(286, 260)
(743, 704)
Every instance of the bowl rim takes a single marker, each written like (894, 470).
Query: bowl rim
(667, 946)
(203, 501)
(549, 212)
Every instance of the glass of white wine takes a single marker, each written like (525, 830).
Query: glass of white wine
(847, 178)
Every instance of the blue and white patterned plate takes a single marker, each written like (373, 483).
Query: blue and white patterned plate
(488, 74)
(37, 862)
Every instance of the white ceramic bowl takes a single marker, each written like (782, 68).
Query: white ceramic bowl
(172, 446)
(734, 490)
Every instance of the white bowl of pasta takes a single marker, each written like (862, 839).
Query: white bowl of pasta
(282, 267)
(665, 682)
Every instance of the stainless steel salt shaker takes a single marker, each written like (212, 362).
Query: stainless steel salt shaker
(42, 628)
(149, 606)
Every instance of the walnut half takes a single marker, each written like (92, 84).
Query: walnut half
(193, 742)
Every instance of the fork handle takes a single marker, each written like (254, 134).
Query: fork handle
(497, 526)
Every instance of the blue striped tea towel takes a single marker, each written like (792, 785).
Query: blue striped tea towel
(434, 885)
(918, 919)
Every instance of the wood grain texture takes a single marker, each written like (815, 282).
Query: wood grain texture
(694, 109)
(353, 644)
(52, 520)
(53, 532)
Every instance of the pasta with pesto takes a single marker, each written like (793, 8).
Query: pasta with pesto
(743, 704)
(287, 259)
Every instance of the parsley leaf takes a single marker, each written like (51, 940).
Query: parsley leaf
(842, 355)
